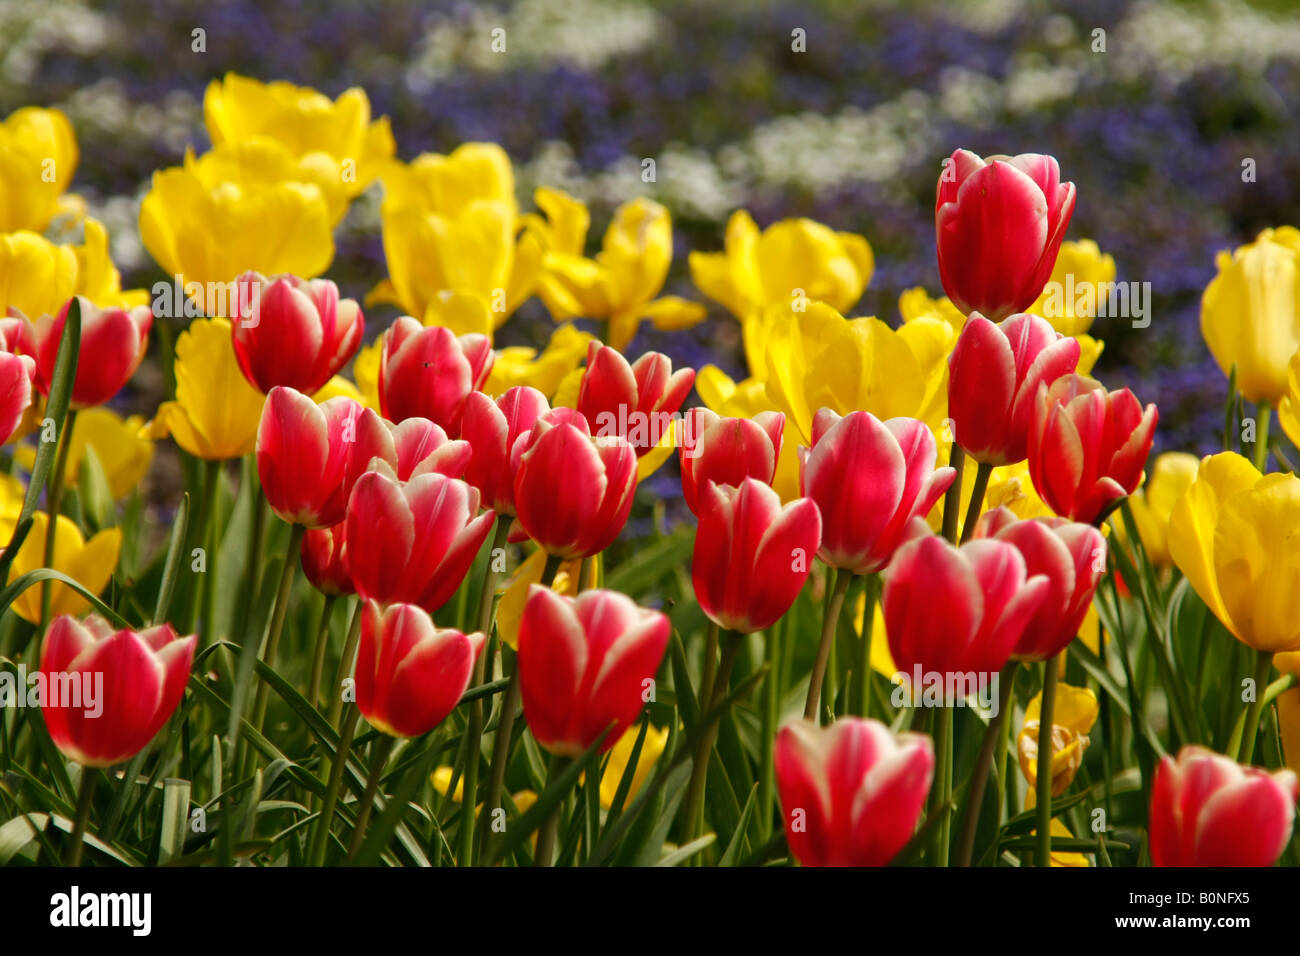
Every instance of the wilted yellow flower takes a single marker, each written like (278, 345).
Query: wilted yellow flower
(38, 157)
(1081, 280)
(1170, 477)
(123, 452)
(620, 284)
(36, 275)
(216, 412)
(451, 225)
(621, 754)
(211, 232)
(90, 563)
(1250, 313)
(1074, 713)
(1232, 535)
(334, 133)
(519, 365)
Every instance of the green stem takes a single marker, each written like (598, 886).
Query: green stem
(952, 497)
(379, 759)
(85, 801)
(545, 855)
(693, 809)
(198, 538)
(1046, 714)
(212, 541)
(771, 707)
(872, 592)
(53, 501)
(346, 660)
(320, 838)
(1265, 415)
(1263, 663)
(830, 618)
(981, 485)
(980, 776)
(474, 732)
(941, 792)
(278, 615)
(322, 645)
(704, 749)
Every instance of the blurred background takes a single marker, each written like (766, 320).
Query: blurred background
(851, 132)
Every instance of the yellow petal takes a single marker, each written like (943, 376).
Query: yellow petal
(620, 755)
(91, 563)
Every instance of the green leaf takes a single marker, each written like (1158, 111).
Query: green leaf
(688, 851)
(92, 488)
(21, 583)
(175, 554)
(732, 852)
(175, 819)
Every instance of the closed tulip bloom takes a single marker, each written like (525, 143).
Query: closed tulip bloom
(958, 610)
(1207, 810)
(428, 372)
(113, 342)
(573, 492)
(1152, 504)
(869, 480)
(324, 560)
(16, 375)
(999, 224)
(1250, 312)
(130, 684)
(752, 556)
(412, 542)
(421, 447)
(309, 455)
(635, 400)
(1071, 555)
(851, 793)
(993, 377)
(584, 666)
(1231, 535)
(493, 428)
(1087, 446)
(727, 450)
(293, 332)
(410, 674)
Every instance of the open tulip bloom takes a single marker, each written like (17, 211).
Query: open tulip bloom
(440, 597)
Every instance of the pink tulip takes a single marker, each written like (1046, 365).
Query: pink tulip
(493, 429)
(851, 793)
(869, 479)
(585, 665)
(993, 377)
(292, 332)
(410, 674)
(999, 224)
(421, 447)
(324, 560)
(16, 375)
(113, 343)
(635, 401)
(572, 492)
(1071, 555)
(1207, 810)
(1087, 446)
(752, 556)
(412, 542)
(955, 610)
(427, 372)
(727, 450)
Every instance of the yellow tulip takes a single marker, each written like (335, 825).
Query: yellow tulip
(620, 284)
(213, 232)
(36, 276)
(266, 162)
(38, 157)
(365, 370)
(450, 184)
(12, 494)
(309, 124)
(90, 563)
(916, 304)
(1250, 313)
(620, 755)
(1170, 477)
(1082, 267)
(216, 412)
(97, 278)
(123, 452)
(1288, 410)
(1231, 535)
(1072, 717)
(520, 365)
(1288, 710)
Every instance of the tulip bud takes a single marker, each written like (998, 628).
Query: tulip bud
(1207, 810)
(493, 428)
(309, 455)
(572, 492)
(869, 479)
(635, 401)
(1071, 555)
(324, 560)
(292, 332)
(993, 377)
(428, 372)
(113, 343)
(951, 610)
(429, 533)
(851, 793)
(128, 683)
(727, 450)
(585, 665)
(752, 556)
(1087, 446)
(999, 224)
(410, 674)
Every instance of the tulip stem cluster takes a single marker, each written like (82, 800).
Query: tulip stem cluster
(837, 586)
(1046, 747)
(993, 736)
